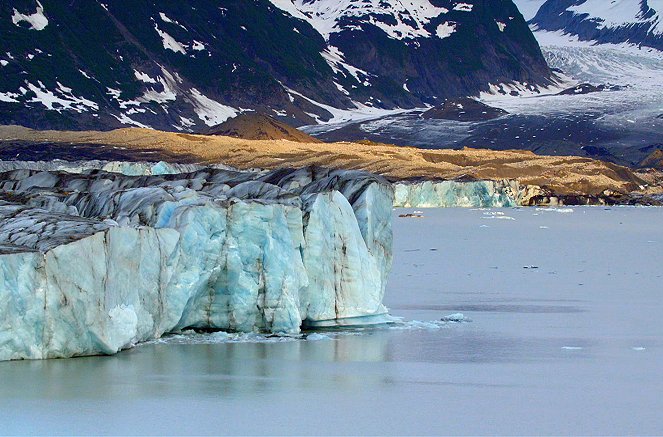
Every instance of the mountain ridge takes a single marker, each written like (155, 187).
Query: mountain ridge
(635, 22)
(176, 66)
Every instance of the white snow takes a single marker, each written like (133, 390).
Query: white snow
(360, 112)
(125, 119)
(446, 29)
(144, 77)
(198, 46)
(464, 7)
(187, 122)
(500, 25)
(63, 100)
(9, 97)
(37, 21)
(168, 93)
(336, 60)
(3, 62)
(169, 43)
(210, 111)
(584, 61)
(620, 13)
(165, 19)
(410, 16)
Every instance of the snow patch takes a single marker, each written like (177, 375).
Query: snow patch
(9, 97)
(463, 7)
(66, 100)
(198, 46)
(165, 19)
(359, 113)
(37, 21)
(446, 29)
(210, 111)
(125, 119)
(336, 60)
(399, 19)
(169, 43)
(144, 77)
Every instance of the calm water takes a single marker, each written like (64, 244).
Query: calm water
(571, 344)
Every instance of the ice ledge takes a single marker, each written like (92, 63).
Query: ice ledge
(93, 262)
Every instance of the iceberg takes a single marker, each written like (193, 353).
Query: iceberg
(96, 257)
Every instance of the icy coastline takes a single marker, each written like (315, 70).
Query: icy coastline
(93, 262)
(450, 194)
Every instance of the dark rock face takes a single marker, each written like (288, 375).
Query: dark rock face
(640, 27)
(464, 109)
(188, 66)
(587, 88)
(252, 126)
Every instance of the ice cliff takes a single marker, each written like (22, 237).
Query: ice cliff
(94, 261)
(447, 194)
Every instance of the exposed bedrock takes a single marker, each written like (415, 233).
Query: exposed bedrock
(94, 262)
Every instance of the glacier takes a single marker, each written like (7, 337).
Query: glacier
(469, 194)
(97, 257)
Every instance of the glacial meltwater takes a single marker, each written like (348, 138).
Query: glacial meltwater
(560, 333)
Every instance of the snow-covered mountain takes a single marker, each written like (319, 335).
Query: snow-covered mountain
(529, 8)
(637, 22)
(187, 66)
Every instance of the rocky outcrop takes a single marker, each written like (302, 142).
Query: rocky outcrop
(94, 262)
(465, 110)
(653, 160)
(260, 127)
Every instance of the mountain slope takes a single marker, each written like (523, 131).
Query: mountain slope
(182, 66)
(638, 22)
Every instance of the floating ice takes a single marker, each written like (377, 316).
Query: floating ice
(455, 318)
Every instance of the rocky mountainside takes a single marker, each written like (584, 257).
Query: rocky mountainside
(189, 66)
(654, 160)
(638, 22)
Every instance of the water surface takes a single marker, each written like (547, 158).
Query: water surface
(565, 338)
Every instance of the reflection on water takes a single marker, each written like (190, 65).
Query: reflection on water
(346, 363)
(201, 369)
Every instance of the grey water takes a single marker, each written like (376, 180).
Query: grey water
(565, 337)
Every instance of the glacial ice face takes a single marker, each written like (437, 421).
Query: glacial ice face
(449, 194)
(124, 167)
(94, 262)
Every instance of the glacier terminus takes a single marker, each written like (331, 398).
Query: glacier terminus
(95, 261)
